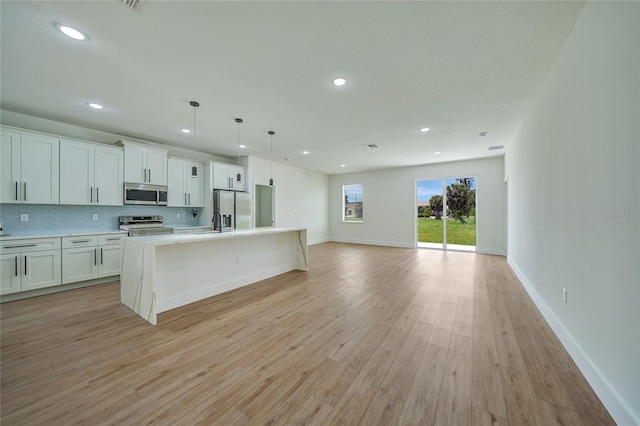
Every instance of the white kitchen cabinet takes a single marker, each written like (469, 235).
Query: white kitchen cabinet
(144, 165)
(184, 190)
(30, 168)
(88, 257)
(90, 174)
(79, 258)
(30, 264)
(110, 254)
(228, 176)
(10, 275)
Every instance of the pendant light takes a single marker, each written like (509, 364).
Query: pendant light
(271, 133)
(238, 120)
(194, 168)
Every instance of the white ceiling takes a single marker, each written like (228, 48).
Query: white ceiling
(459, 68)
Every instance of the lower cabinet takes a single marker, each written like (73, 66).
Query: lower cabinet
(91, 256)
(29, 264)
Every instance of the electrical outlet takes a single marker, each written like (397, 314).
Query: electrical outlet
(177, 215)
(564, 295)
(24, 217)
(94, 216)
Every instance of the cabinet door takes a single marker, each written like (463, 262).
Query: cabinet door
(76, 173)
(157, 167)
(9, 167)
(108, 176)
(79, 264)
(39, 169)
(238, 178)
(10, 273)
(177, 195)
(135, 164)
(221, 177)
(195, 186)
(110, 259)
(40, 269)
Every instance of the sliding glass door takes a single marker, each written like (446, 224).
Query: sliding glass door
(446, 210)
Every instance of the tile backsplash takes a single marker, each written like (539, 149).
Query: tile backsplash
(54, 218)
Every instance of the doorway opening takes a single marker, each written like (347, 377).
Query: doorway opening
(265, 214)
(446, 213)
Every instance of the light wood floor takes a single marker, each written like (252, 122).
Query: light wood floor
(370, 335)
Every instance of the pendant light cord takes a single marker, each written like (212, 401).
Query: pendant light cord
(271, 133)
(238, 120)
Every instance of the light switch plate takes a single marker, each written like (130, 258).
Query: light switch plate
(94, 216)
(24, 217)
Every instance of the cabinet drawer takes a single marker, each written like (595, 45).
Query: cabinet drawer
(80, 241)
(29, 245)
(111, 239)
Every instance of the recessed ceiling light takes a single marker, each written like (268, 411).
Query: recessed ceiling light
(185, 130)
(424, 129)
(371, 145)
(496, 147)
(437, 153)
(482, 133)
(95, 105)
(343, 165)
(72, 32)
(339, 81)
(305, 152)
(242, 146)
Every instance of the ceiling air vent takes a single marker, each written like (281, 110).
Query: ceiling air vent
(131, 4)
(371, 145)
(495, 148)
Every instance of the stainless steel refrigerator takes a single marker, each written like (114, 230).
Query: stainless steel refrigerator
(223, 210)
(243, 210)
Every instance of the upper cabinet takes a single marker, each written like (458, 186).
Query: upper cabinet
(90, 174)
(228, 176)
(29, 168)
(185, 190)
(144, 165)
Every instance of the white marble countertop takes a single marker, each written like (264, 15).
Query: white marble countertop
(54, 234)
(183, 238)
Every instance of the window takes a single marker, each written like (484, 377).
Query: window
(352, 203)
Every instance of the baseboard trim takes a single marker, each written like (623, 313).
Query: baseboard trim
(619, 410)
(319, 241)
(495, 252)
(372, 242)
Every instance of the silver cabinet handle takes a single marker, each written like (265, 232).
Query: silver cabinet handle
(189, 199)
(16, 264)
(97, 195)
(81, 241)
(25, 191)
(91, 194)
(95, 256)
(16, 190)
(101, 257)
(25, 265)
(20, 246)
(112, 239)
(149, 175)
(185, 198)
(145, 175)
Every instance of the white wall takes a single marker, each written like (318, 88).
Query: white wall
(389, 203)
(574, 200)
(301, 196)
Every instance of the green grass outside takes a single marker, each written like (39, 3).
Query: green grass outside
(430, 231)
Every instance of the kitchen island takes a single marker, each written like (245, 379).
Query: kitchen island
(163, 272)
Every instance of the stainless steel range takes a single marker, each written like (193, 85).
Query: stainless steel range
(143, 225)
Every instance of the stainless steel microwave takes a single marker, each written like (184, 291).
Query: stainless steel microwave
(145, 194)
